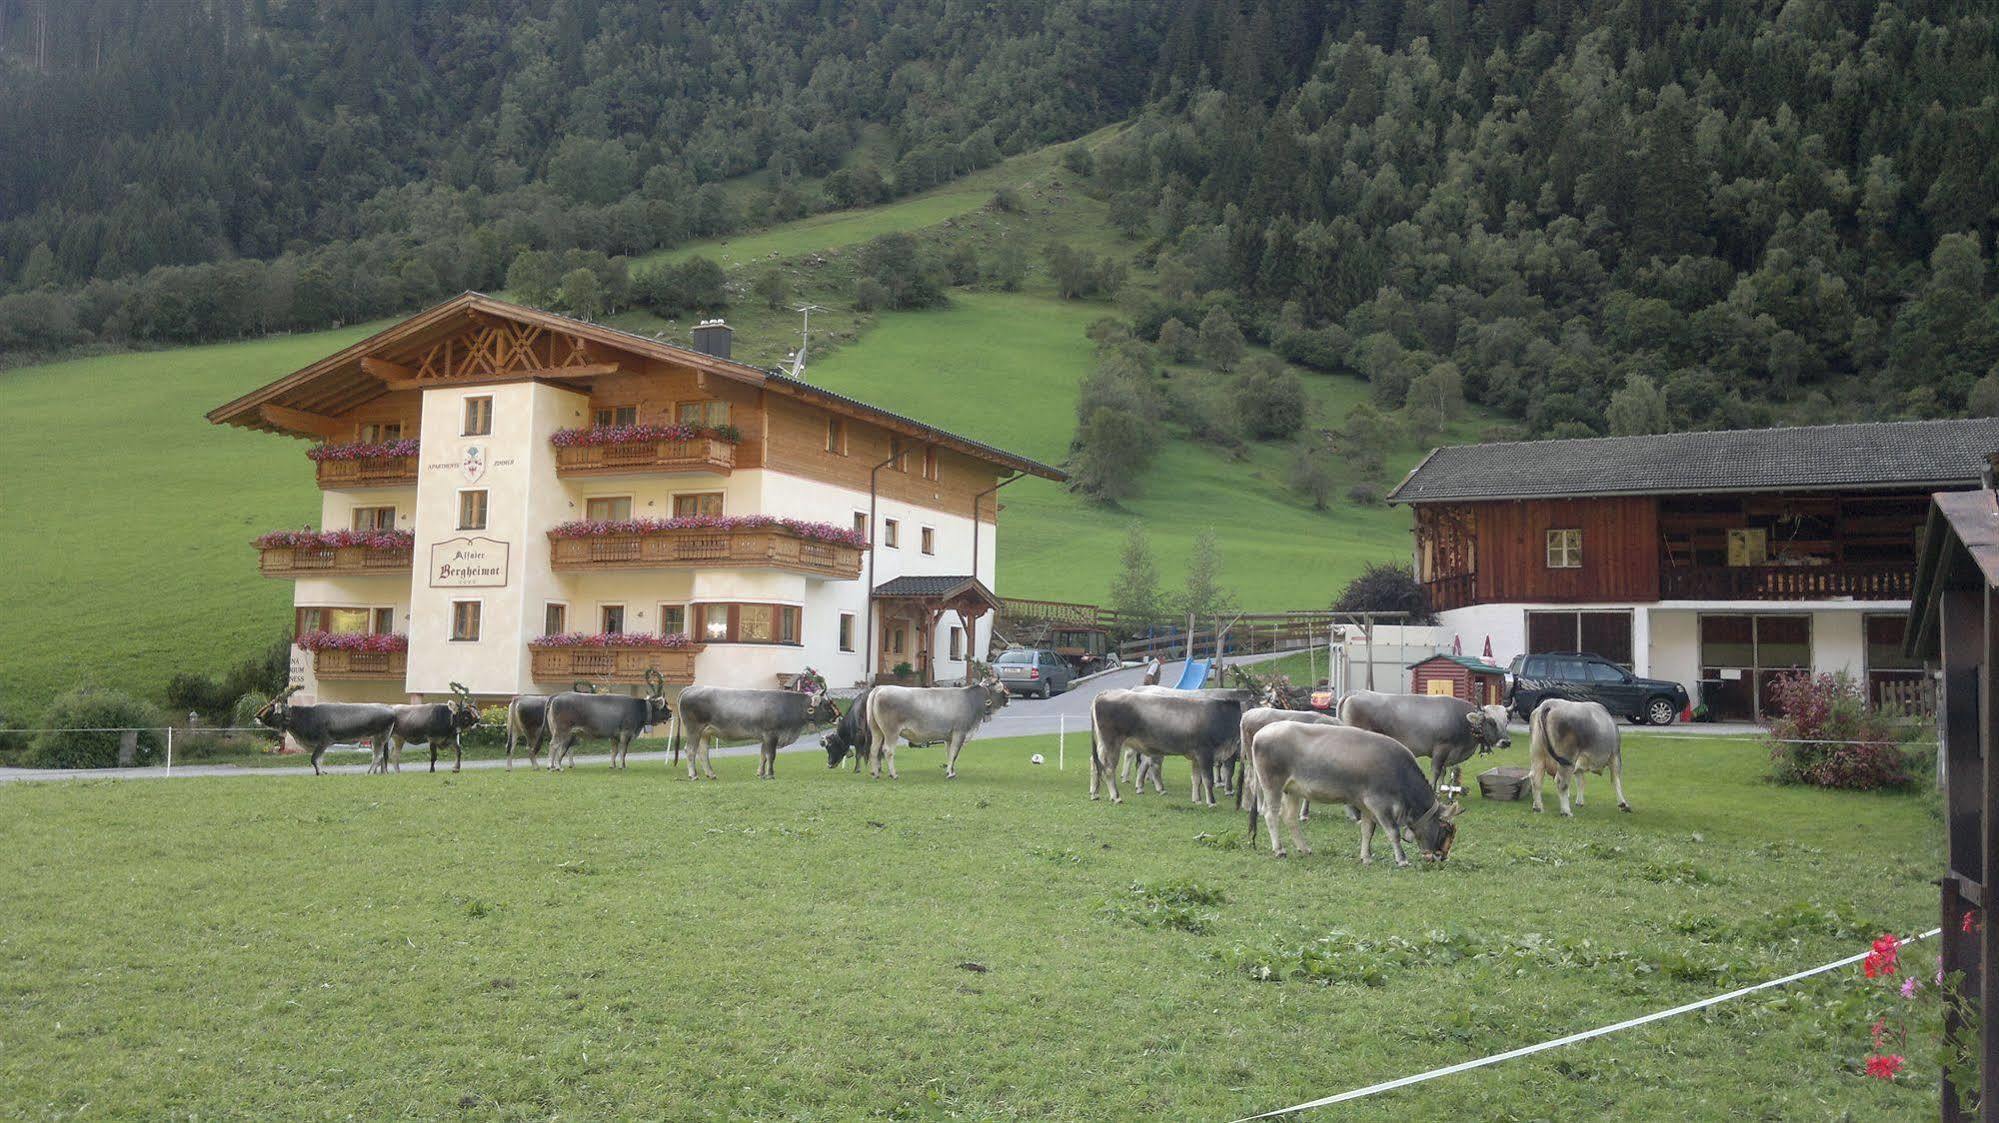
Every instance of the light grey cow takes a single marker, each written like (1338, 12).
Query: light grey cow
(1173, 723)
(1571, 738)
(320, 726)
(925, 714)
(614, 717)
(772, 718)
(1450, 731)
(1253, 722)
(1374, 775)
(1150, 765)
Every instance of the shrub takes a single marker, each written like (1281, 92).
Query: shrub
(1387, 587)
(94, 708)
(869, 295)
(1829, 737)
(1364, 495)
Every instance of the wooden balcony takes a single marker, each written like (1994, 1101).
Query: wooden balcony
(387, 471)
(613, 665)
(696, 454)
(333, 561)
(753, 548)
(381, 665)
(1787, 582)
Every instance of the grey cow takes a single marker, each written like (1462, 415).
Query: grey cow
(1374, 775)
(527, 721)
(1253, 722)
(1148, 764)
(1571, 738)
(612, 717)
(770, 717)
(1450, 731)
(924, 714)
(321, 726)
(430, 724)
(1182, 723)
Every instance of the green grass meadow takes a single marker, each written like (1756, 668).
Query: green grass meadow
(516, 945)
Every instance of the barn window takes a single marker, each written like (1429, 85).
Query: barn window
(472, 510)
(702, 503)
(1565, 549)
(478, 416)
(836, 435)
(747, 623)
(608, 508)
(465, 621)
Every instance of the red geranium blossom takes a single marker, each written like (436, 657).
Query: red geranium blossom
(1882, 960)
(1884, 1066)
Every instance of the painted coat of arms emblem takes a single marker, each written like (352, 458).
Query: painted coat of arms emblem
(472, 462)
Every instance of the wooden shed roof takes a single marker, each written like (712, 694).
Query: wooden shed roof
(1960, 550)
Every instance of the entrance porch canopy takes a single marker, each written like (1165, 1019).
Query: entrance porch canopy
(923, 601)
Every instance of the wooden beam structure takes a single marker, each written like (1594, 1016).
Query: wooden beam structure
(299, 421)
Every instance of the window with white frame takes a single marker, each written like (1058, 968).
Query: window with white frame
(1565, 549)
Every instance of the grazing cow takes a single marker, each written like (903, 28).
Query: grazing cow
(319, 727)
(527, 720)
(771, 717)
(613, 717)
(1253, 722)
(1374, 775)
(1571, 738)
(849, 736)
(1449, 731)
(933, 713)
(1199, 727)
(1150, 765)
(429, 724)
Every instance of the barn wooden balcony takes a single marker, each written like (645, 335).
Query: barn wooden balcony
(347, 664)
(386, 471)
(625, 666)
(334, 561)
(769, 547)
(1786, 582)
(662, 457)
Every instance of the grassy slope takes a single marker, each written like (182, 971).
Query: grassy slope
(635, 945)
(131, 516)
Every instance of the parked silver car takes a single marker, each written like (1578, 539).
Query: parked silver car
(1027, 671)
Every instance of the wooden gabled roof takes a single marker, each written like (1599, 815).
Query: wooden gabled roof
(1960, 549)
(512, 342)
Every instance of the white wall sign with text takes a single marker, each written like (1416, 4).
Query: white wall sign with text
(468, 563)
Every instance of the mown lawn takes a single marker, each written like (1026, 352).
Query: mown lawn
(822, 947)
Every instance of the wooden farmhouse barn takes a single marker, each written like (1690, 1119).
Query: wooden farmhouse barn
(1458, 676)
(1718, 560)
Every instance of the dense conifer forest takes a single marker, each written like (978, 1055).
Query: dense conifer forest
(1618, 217)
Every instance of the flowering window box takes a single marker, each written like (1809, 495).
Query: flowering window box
(742, 541)
(611, 450)
(357, 655)
(297, 553)
(363, 464)
(613, 659)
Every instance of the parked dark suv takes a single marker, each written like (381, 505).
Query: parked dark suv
(1592, 678)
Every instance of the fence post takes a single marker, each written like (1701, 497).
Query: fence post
(1061, 742)
(170, 750)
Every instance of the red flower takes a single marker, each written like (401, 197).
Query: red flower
(1970, 922)
(1882, 960)
(1884, 1066)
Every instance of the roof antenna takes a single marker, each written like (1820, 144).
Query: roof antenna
(797, 370)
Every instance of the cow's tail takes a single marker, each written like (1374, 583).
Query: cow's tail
(673, 737)
(1540, 740)
(1250, 791)
(515, 730)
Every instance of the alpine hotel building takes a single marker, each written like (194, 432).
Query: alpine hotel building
(518, 501)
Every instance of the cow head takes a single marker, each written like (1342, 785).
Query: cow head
(276, 713)
(657, 709)
(997, 695)
(1488, 727)
(821, 710)
(464, 714)
(1437, 829)
(836, 747)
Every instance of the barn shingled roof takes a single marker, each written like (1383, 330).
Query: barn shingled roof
(1865, 455)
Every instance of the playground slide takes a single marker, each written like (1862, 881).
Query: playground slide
(1193, 675)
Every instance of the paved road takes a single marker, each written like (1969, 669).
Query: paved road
(1023, 717)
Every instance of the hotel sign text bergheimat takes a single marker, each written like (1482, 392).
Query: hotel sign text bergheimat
(468, 563)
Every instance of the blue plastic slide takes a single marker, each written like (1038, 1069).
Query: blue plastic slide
(1193, 675)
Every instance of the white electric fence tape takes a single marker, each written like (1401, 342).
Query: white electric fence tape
(1571, 1039)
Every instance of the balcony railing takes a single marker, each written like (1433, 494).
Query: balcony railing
(313, 561)
(753, 548)
(336, 663)
(1787, 582)
(694, 454)
(614, 665)
(386, 471)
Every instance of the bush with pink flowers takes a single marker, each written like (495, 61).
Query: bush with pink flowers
(638, 434)
(336, 539)
(797, 528)
(614, 639)
(354, 641)
(362, 450)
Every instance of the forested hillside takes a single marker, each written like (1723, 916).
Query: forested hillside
(1613, 217)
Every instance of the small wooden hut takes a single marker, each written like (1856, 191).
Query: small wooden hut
(1458, 676)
